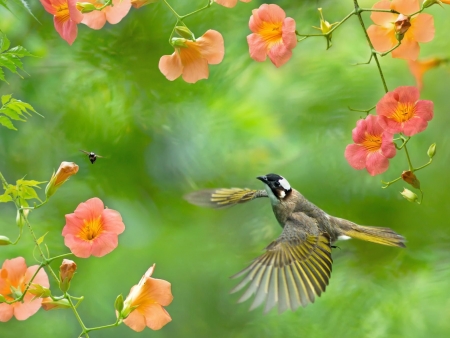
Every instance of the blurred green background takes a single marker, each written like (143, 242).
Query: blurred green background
(163, 139)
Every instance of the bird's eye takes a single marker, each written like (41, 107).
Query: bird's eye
(277, 184)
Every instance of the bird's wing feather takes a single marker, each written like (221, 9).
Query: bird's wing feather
(294, 270)
(222, 197)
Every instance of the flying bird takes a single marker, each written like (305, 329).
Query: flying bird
(92, 156)
(296, 267)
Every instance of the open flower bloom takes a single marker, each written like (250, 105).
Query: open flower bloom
(92, 230)
(419, 67)
(112, 14)
(401, 111)
(66, 17)
(229, 3)
(391, 27)
(191, 58)
(372, 148)
(14, 277)
(144, 304)
(273, 35)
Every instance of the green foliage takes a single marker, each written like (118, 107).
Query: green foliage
(22, 191)
(22, 4)
(10, 57)
(13, 109)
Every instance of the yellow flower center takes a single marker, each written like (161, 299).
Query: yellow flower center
(372, 142)
(92, 229)
(403, 112)
(62, 12)
(271, 32)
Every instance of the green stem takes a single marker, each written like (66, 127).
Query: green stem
(172, 10)
(425, 165)
(358, 13)
(407, 156)
(387, 184)
(83, 327)
(28, 286)
(198, 10)
(387, 52)
(379, 10)
(4, 183)
(332, 29)
(117, 323)
(367, 111)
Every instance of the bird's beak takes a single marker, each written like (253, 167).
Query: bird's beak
(262, 179)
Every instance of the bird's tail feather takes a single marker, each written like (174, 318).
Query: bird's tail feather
(373, 234)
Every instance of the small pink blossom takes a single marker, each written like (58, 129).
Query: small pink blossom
(66, 17)
(191, 58)
(92, 230)
(372, 148)
(144, 304)
(112, 14)
(14, 277)
(273, 35)
(401, 111)
(229, 3)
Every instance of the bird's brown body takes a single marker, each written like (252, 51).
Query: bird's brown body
(296, 267)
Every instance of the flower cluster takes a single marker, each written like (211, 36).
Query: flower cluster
(399, 111)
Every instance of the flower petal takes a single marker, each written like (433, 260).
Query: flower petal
(409, 49)
(424, 109)
(372, 125)
(271, 13)
(382, 38)
(279, 54)
(257, 47)
(170, 66)
(6, 312)
(156, 316)
(211, 46)
(91, 209)
(68, 30)
(227, 3)
(387, 145)
(390, 125)
(135, 321)
(414, 126)
(195, 70)
(160, 291)
(79, 247)
(49, 8)
(28, 308)
(75, 15)
(422, 28)
(112, 221)
(288, 35)
(359, 132)
(114, 14)
(383, 18)
(104, 244)
(94, 20)
(356, 156)
(13, 270)
(405, 6)
(407, 94)
(376, 163)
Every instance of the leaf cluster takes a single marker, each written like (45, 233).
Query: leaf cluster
(22, 191)
(10, 58)
(13, 109)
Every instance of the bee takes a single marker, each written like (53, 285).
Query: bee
(92, 156)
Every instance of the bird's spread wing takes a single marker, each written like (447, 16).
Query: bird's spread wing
(292, 271)
(220, 198)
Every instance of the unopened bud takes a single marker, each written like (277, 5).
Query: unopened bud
(410, 177)
(85, 7)
(432, 150)
(428, 3)
(179, 42)
(184, 32)
(409, 195)
(5, 240)
(66, 272)
(21, 217)
(50, 304)
(65, 170)
(118, 304)
(325, 26)
(402, 24)
(2, 299)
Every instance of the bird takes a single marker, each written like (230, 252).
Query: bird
(296, 267)
(92, 156)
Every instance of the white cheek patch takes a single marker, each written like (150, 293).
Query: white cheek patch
(285, 184)
(282, 194)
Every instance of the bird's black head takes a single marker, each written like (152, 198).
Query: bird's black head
(276, 185)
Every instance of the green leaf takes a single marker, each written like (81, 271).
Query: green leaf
(4, 42)
(5, 198)
(41, 239)
(28, 193)
(13, 115)
(6, 122)
(29, 183)
(20, 51)
(6, 98)
(2, 75)
(6, 62)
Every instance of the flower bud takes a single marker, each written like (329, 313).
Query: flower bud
(50, 304)
(65, 170)
(118, 304)
(21, 217)
(325, 26)
(66, 272)
(402, 24)
(5, 240)
(179, 42)
(139, 3)
(2, 299)
(409, 177)
(184, 32)
(85, 7)
(409, 195)
(428, 3)
(432, 150)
